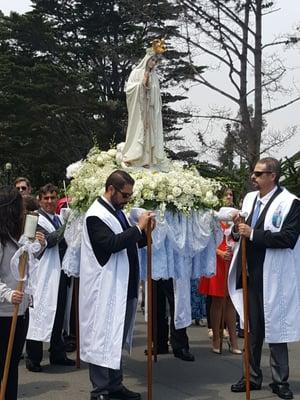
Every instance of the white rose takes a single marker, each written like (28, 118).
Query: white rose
(176, 191)
(112, 153)
(100, 160)
(209, 195)
(161, 196)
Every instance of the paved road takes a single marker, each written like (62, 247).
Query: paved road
(208, 378)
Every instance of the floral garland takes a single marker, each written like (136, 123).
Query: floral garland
(181, 189)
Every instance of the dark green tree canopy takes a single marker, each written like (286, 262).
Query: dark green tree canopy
(63, 67)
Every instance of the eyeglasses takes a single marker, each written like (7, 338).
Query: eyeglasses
(124, 194)
(21, 188)
(259, 173)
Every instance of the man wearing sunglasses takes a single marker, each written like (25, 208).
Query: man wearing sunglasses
(23, 185)
(272, 231)
(109, 276)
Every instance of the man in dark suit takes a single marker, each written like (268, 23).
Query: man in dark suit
(279, 211)
(48, 201)
(178, 337)
(109, 276)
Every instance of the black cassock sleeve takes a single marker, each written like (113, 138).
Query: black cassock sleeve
(105, 242)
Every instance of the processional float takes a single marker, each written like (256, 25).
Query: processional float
(183, 244)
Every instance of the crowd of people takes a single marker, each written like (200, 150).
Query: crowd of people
(109, 283)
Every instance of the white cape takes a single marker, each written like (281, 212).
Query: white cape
(46, 282)
(103, 299)
(281, 278)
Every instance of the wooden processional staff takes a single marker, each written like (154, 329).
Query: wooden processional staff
(246, 314)
(29, 231)
(150, 313)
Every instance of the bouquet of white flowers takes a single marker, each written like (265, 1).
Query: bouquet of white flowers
(180, 189)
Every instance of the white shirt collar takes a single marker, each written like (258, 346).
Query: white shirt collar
(264, 200)
(51, 216)
(108, 202)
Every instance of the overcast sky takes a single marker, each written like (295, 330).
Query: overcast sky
(283, 21)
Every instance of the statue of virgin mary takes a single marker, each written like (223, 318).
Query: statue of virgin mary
(144, 146)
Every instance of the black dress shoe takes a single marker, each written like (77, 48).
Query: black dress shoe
(62, 361)
(184, 354)
(240, 386)
(100, 397)
(282, 390)
(124, 394)
(158, 351)
(33, 366)
(70, 347)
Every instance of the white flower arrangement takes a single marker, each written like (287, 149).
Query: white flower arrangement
(181, 189)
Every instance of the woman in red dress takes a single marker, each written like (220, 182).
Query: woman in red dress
(217, 288)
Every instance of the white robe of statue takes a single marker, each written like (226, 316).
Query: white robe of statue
(144, 144)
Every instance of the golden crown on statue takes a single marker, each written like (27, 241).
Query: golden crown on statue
(159, 46)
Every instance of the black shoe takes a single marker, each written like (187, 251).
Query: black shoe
(70, 347)
(158, 351)
(282, 390)
(62, 361)
(100, 397)
(240, 333)
(240, 386)
(184, 354)
(33, 366)
(124, 394)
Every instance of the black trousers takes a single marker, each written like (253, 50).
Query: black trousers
(34, 348)
(279, 361)
(20, 335)
(178, 337)
(106, 380)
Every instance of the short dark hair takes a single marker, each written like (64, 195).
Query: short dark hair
(30, 203)
(273, 165)
(118, 179)
(11, 214)
(22, 179)
(49, 188)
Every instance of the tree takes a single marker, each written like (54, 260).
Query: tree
(291, 173)
(63, 70)
(230, 33)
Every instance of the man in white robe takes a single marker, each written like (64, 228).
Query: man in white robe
(273, 249)
(109, 276)
(46, 316)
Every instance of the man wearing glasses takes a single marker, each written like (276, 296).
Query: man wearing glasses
(23, 185)
(272, 231)
(109, 276)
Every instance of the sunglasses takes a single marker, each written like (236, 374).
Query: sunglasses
(21, 188)
(259, 173)
(124, 194)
